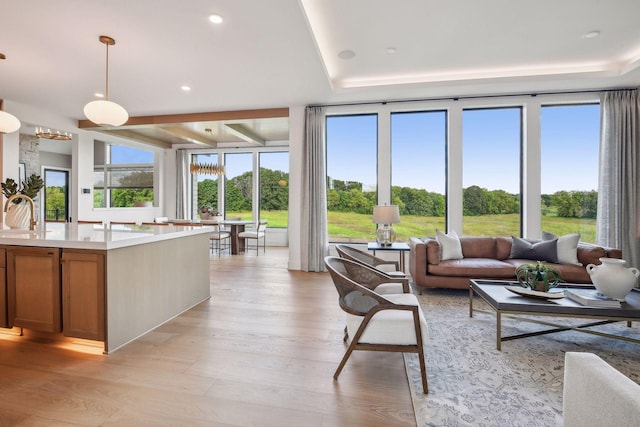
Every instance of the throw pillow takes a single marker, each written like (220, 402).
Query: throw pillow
(450, 247)
(567, 247)
(547, 250)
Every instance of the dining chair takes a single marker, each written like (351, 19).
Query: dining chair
(80, 221)
(392, 268)
(154, 223)
(377, 322)
(122, 223)
(219, 239)
(257, 234)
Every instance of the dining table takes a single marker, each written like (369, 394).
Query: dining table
(236, 227)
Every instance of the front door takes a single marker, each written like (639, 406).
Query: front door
(56, 195)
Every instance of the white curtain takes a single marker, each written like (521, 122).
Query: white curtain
(182, 183)
(315, 238)
(618, 223)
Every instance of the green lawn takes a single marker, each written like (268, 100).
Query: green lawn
(352, 227)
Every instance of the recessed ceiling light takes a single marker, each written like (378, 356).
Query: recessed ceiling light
(98, 95)
(347, 54)
(2, 56)
(391, 50)
(591, 34)
(185, 88)
(215, 18)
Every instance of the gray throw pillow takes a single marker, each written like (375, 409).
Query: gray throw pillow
(546, 250)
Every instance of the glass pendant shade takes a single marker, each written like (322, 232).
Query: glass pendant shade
(8, 122)
(102, 112)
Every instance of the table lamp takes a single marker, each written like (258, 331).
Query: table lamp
(384, 216)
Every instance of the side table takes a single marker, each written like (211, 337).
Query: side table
(399, 247)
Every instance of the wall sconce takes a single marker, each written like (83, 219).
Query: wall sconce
(384, 216)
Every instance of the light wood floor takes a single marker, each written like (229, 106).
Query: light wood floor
(261, 352)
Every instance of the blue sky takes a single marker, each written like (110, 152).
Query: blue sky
(491, 137)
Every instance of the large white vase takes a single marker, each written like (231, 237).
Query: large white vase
(18, 216)
(612, 278)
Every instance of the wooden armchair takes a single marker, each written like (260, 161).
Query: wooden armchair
(392, 268)
(391, 322)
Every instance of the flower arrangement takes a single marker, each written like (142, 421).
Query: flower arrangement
(538, 277)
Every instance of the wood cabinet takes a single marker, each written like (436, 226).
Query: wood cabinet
(4, 323)
(33, 288)
(83, 294)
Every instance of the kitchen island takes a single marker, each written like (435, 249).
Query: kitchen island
(110, 284)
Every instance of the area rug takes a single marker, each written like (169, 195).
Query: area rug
(473, 384)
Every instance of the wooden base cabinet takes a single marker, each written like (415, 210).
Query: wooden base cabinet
(83, 294)
(4, 323)
(33, 288)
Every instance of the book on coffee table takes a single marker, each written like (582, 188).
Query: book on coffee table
(591, 298)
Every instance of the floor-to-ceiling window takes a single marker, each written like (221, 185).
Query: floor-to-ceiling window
(418, 173)
(569, 169)
(351, 176)
(238, 189)
(274, 188)
(491, 145)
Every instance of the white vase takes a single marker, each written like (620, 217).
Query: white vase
(612, 278)
(18, 216)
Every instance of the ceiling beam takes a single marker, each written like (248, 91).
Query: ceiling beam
(188, 135)
(265, 113)
(244, 133)
(135, 136)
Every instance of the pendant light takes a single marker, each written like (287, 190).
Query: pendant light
(105, 112)
(8, 122)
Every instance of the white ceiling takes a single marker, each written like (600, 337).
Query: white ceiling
(279, 53)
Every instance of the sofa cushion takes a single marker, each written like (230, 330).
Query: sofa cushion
(473, 267)
(433, 251)
(449, 245)
(567, 247)
(478, 246)
(540, 251)
(590, 254)
(503, 247)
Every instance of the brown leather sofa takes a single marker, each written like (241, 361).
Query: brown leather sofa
(488, 258)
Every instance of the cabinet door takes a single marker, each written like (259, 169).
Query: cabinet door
(4, 322)
(33, 288)
(83, 301)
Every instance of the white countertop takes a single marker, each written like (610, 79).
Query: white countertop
(95, 236)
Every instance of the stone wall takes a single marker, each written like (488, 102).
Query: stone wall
(30, 156)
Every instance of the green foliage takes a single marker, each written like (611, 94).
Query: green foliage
(55, 198)
(208, 193)
(480, 201)
(30, 187)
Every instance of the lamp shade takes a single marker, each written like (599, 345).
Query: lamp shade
(8, 122)
(102, 112)
(386, 214)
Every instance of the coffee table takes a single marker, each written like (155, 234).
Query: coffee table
(504, 301)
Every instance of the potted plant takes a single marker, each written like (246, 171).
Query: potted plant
(30, 187)
(18, 214)
(537, 277)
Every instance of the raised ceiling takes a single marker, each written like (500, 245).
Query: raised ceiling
(280, 53)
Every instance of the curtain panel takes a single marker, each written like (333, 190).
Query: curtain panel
(182, 183)
(315, 238)
(618, 220)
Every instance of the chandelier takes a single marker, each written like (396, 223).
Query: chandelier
(105, 112)
(207, 168)
(49, 134)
